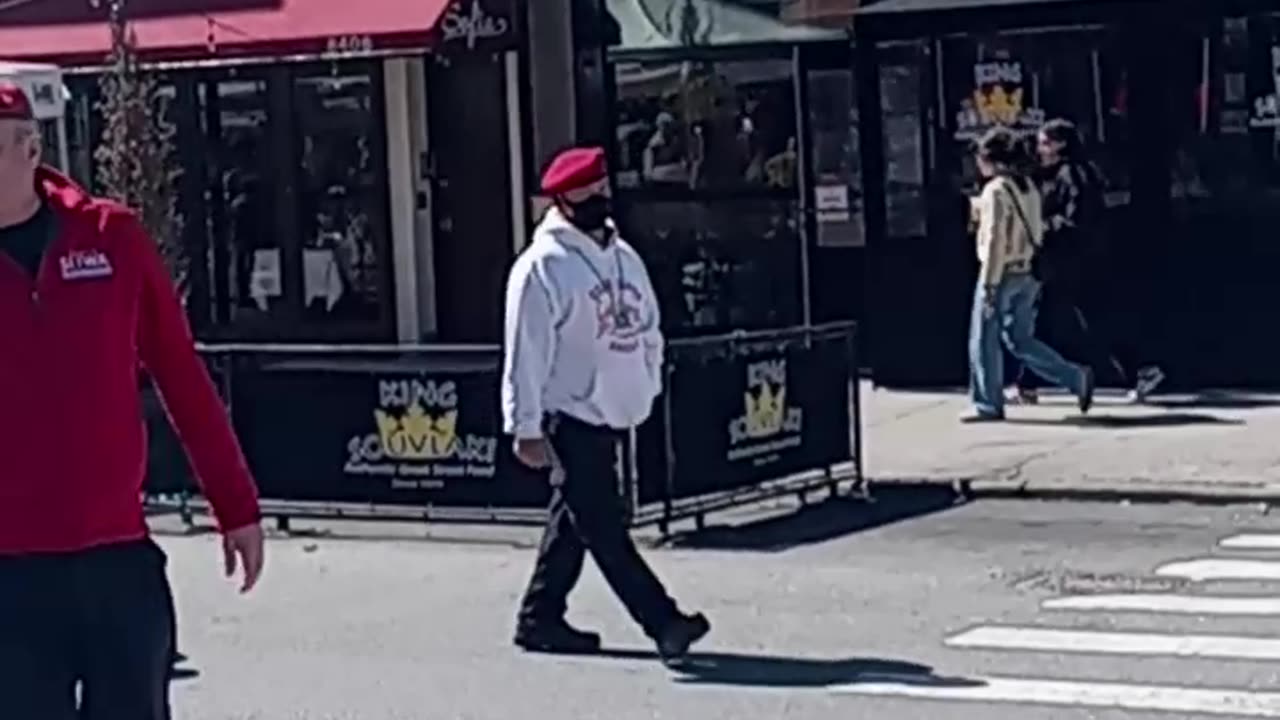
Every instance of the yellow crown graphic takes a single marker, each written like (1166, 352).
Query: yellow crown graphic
(418, 436)
(998, 107)
(766, 411)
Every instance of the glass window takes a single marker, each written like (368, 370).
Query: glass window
(901, 89)
(83, 127)
(725, 125)
(837, 164)
(341, 205)
(721, 265)
(242, 183)
(286, 192)
(1019, 80)
(1236, 151)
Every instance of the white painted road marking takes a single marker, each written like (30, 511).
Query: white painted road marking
(1251, 541)
(1146, 698)
(1119, 643)
(1222, 569)
(1163, 603)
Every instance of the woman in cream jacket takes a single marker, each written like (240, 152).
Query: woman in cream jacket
(1004, 302)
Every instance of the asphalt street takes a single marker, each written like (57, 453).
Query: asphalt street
(911, 608)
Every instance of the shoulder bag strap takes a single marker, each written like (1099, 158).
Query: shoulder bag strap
(1017, 206)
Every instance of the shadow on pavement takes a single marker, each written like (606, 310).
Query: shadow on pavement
(1112, 422)
(1218, 401)
(826, 521)
(793, 672)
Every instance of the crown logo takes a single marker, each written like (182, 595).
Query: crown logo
(417, 435)
(999, 107)
(766, 412)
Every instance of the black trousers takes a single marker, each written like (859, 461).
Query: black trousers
(587, 515)
(100, 619)
(1087, 332)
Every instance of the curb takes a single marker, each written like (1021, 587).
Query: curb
(1130, 490)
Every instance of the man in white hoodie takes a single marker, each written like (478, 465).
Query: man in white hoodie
(582, 366)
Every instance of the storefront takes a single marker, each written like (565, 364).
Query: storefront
(735, 150)
(345, 176)
(1183, 129)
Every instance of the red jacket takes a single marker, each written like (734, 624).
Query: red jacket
(72, 439)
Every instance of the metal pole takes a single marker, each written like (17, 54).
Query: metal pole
(855, 383)
(803, 184)
(668, 442)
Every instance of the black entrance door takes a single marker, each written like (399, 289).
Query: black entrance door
(467, 119)
(920, 264)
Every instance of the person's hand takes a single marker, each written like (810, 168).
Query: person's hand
(243, 547)
(533, 452)
(989, 306)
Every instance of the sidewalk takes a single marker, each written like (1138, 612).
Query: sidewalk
(1222, 446)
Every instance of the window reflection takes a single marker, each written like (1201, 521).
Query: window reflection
(720, 266)
(900, 100)
(703, 125)
(242, 182)
(339, 198)
(837, 166)
(1237, 153)
(1024, 78)
(82, 131)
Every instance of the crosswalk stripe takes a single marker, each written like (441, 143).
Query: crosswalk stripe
(1118, 643)
(1221, 569)
(1168, 603)
(1152, 698)
(1251, 541)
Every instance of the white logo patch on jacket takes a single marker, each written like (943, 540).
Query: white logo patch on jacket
(85, 265)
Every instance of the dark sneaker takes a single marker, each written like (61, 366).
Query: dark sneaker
(1086, 391)
(560, 639)
(977, 416)
(680, 635)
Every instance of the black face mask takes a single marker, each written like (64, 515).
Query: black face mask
(590, 214)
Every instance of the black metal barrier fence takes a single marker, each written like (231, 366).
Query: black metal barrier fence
(396, 432)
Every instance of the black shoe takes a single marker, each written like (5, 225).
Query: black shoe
(680, 635)
(1086, 392)
(559, 638)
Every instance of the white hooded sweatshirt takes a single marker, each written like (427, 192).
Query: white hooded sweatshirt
(582, 333)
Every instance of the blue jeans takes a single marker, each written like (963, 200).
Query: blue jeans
(1014, 322)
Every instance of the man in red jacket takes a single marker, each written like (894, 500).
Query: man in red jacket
(85, 300)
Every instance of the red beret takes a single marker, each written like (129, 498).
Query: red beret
(574, 169)
(14, 104)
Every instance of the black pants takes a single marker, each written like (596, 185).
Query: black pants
(1070, 321)
(101, 619)
(587, 514)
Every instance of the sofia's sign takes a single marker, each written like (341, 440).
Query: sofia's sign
(468, 23)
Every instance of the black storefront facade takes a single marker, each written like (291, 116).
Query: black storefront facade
(1184, 130)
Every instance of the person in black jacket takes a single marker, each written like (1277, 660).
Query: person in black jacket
(1073, 248)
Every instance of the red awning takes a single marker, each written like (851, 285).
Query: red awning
(262, 28)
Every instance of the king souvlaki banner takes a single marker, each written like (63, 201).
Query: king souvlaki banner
(768, 425)
(999, 98)
(415, 437)
(369, 432)
(741, 418)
